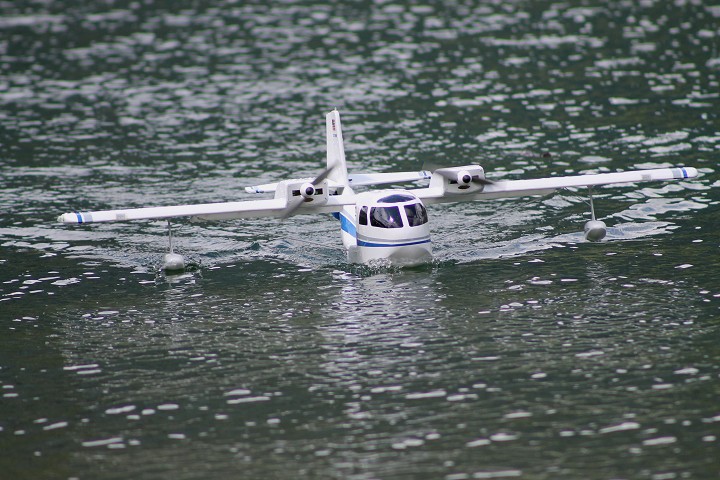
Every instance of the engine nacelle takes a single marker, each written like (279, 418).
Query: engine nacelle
(464, 179)
(303, 189)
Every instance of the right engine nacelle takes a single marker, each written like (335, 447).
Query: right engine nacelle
(465, 179)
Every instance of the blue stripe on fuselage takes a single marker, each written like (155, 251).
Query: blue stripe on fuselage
(346, 224)
(362, 243)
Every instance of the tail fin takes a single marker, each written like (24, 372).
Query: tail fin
(335, 149)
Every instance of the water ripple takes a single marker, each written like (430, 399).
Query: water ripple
(523, 351)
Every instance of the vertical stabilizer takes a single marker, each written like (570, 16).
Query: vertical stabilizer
(335, 149)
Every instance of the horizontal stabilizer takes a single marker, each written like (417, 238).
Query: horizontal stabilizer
(367, 179)
(359, 180)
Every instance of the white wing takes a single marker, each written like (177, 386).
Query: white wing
(257, 208)
(276, 207)
(442, 190)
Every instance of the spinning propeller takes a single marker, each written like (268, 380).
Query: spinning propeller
(307, 190)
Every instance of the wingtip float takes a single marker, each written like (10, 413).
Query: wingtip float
(386, 225)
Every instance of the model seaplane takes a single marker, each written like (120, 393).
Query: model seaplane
(388, 225)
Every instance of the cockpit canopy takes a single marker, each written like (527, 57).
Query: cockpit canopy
(412, 213)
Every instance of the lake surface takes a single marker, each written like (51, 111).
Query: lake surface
(521, 352)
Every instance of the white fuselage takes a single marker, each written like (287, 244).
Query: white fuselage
(387, 227)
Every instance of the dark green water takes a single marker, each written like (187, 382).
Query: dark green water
(522, 352)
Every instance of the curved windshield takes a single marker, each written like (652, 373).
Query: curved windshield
(416, 214)
(385, 217)
(397, 198)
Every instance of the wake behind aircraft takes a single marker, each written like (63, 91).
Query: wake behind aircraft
(388, 226)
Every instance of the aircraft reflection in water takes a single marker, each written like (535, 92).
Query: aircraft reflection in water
(388, 226)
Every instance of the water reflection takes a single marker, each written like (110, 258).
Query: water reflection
(381, 324)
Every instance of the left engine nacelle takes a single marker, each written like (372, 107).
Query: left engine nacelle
(305, 190)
